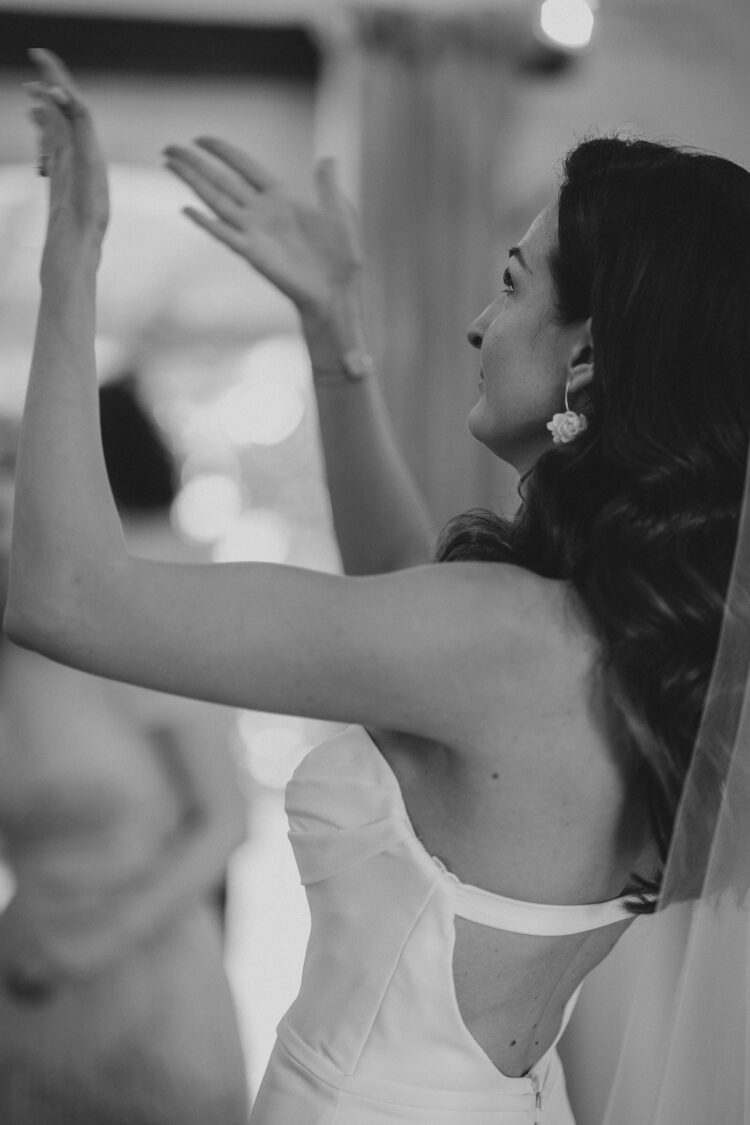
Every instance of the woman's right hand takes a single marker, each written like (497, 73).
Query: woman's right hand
(310, 252)
(71, 158)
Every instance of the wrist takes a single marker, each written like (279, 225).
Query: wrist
(352, 366)
(68, 274)
(336, 341)
(334, 323)
(74, 251)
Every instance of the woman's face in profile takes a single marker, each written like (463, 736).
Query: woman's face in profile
(523, 352)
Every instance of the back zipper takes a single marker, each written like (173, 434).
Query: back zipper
(537, 1087)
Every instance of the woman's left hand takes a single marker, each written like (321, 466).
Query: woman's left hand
(309, 250)
(70, 156)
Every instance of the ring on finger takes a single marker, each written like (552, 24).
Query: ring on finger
(42, 164)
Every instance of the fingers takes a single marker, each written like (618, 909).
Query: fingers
(220, 230)
(211, 184)
(50, 93)
(48, 113)
(53, 70)
(216, 174)
(56, 83)
(326, 180)
(49, 102)
(249, 168)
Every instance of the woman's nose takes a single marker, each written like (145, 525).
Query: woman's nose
(475, 334)
(477, 328)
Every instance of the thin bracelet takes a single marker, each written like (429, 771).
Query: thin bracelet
(354, 366)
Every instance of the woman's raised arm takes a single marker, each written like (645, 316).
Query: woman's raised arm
(311, 253)
(417, 650)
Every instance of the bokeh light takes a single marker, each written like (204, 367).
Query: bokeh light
(305, 501)
(267, 401)
(223, 461)
(207, 507)
(270, 747)
(315, 550)
(260, 535)
(568, 23)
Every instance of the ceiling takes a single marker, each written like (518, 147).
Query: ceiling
(240, 11)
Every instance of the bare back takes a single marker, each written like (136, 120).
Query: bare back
(554, 821)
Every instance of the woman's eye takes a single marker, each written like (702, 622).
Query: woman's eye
(508, 281)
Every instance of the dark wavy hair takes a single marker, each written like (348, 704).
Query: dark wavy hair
(640, 514)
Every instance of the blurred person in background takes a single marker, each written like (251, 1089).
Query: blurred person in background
(500, 810)
(142, 476)
(119, 809)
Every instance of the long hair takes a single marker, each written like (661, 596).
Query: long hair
(640, 514)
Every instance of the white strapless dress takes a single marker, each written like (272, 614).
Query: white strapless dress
(375, 1036)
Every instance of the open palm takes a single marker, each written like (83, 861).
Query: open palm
(309, 251)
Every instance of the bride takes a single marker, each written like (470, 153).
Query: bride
(500, 810)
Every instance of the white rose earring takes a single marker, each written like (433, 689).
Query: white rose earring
(568, 426)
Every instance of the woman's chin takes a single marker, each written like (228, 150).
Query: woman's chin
(505, 446)
(475, 420)
(484, 428)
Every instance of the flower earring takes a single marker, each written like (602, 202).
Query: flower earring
(568, 426)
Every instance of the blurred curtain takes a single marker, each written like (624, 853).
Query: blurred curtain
(436, 108)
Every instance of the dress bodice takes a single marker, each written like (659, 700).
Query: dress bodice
(375, 1034)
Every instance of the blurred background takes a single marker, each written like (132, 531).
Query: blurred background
(449, 121)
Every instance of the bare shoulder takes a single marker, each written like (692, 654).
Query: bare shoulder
(539, 614)
(532, 654)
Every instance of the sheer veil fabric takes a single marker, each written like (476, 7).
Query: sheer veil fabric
(699, 1073)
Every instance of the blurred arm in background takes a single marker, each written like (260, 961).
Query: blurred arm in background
(72, 923)
(186, 737)
(192, 737)
(119, 811)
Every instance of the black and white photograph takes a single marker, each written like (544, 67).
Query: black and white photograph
(374, 562)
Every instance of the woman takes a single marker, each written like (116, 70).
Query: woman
(498, 815)
(117, 817)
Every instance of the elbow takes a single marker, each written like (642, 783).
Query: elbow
(31, 624)
(25, 631)
(24, 611)
(18, 627)
(231, 831)
(58, 613)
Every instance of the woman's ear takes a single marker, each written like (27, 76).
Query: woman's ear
(580, 371)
